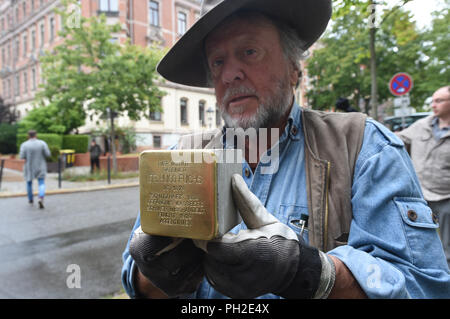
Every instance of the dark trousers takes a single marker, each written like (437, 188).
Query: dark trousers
(95, 162)
(442, 210)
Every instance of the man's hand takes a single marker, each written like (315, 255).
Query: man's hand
(268, 257)
(174, 265)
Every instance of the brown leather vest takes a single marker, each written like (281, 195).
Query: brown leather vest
(332, 145)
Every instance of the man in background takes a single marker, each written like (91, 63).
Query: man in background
(95, 151)
(35, 152)
(428, 142)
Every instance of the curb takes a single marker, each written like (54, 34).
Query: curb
(73, 190)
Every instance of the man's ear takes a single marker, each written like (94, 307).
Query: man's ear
(294, 75)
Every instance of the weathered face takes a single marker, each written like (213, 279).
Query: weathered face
(252, 78)
(441, 102)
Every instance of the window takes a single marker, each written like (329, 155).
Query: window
(52, 29)
(17, 50)
(218, 117)
(25, 82)
(17, 88)
(183, 111)
(156, 141)
(155, 116)
(24, 9)
(201, 112)
(33, 40)
(153, 14)
(8, 54)
(33, 79)
(17, 15)
(25, 45)
(42, 35)
(109, 5)
(182, 21)
(32, 5)
(3, 58)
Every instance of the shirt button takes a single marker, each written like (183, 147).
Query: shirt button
(412, 215)
(294, 130)
(247, 172)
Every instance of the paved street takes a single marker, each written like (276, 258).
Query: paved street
(85, 229)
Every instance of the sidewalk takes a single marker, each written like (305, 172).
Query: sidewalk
(13, 183)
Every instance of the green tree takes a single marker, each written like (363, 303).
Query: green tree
(335, 68)
(435, 60)
(367, 9)
(90, 71)
(400, 47)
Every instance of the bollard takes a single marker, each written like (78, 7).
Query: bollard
(59, 171)
(109, 169)
(1, 172)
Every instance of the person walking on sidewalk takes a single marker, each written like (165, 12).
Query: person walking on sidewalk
(428, 142)
(35, 152)
(95, 151)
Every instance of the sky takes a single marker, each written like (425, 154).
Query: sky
(422, 10)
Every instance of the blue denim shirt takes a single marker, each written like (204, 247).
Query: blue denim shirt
(390, 255)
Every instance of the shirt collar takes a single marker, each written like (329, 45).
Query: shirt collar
(435, 123)
(294, 124)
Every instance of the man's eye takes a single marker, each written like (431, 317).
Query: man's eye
(217, 63)
(250, 51)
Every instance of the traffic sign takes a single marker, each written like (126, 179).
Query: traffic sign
(402, 101)
(400, 84)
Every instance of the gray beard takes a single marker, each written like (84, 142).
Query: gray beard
(267, 114)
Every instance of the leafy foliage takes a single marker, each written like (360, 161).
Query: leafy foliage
(78, 143)
(49, 138)
(340, 66)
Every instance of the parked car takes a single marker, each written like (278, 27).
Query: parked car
(394, 123)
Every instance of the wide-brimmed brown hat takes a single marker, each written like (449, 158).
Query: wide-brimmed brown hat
(184, 63)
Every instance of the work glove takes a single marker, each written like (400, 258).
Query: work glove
(174, 265)
(268, 257)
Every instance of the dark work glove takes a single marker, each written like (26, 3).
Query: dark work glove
(268, 257)
(174, 265)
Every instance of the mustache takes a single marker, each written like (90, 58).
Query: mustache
(230, 93)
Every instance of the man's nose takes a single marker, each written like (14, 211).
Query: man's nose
(232, 72)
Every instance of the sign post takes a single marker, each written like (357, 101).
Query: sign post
(400, 85)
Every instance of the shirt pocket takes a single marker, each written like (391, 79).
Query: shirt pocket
(291, 215)
(420, 230)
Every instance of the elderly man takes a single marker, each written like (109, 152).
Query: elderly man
(428, 141)
(343, 216)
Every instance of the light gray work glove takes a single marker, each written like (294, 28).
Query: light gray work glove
(268, 257)
(174, 265)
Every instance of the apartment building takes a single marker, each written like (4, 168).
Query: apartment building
(27, 29)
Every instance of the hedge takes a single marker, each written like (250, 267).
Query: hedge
(79, 143)
(51, 139)
(54, 151)
(8, 134)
